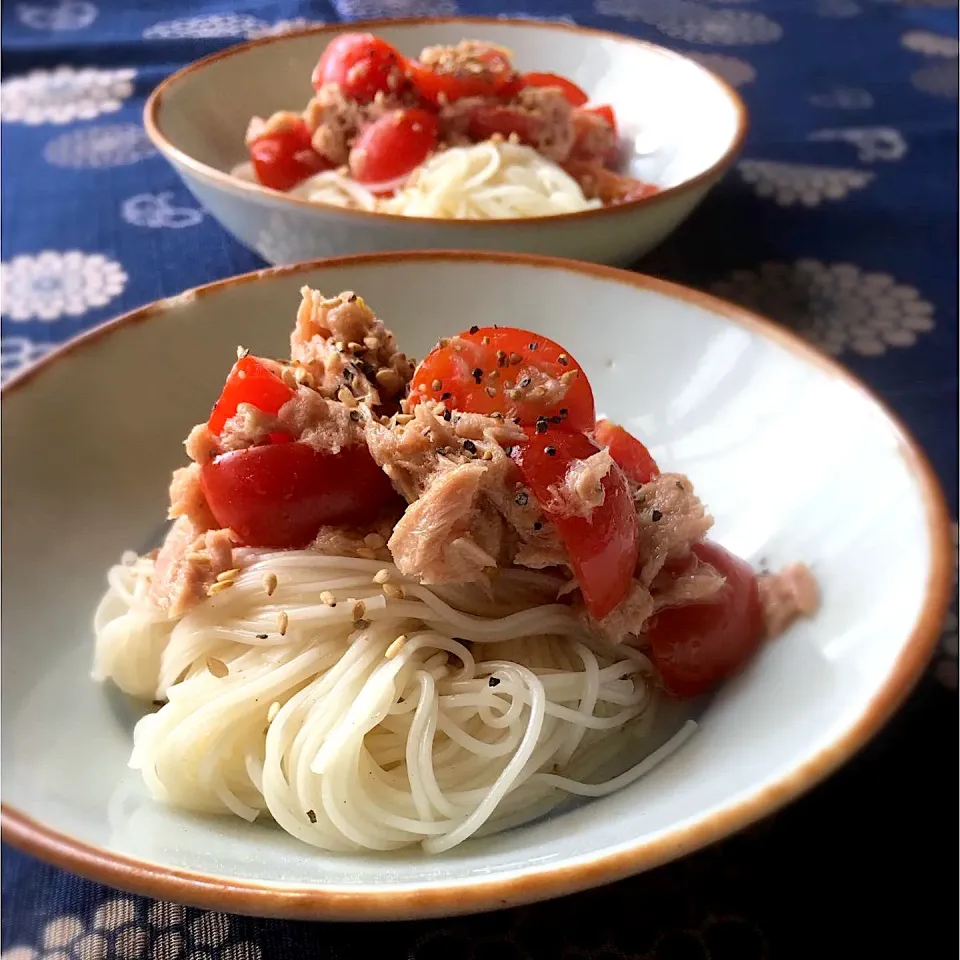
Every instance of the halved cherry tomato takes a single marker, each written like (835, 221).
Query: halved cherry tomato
(630, 454)
(594, 138)
(279, 495)
(250, 381)
(697, 645)
(602, 546)
(494, 76)
(575, 96)
(490, 118)
(509, 371)
(361, 64)
(285, 158)
(612, 188)
(605, 112)
(391, 147)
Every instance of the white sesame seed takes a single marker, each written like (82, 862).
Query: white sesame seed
(273, 711)
(358, 610)
(395, 647)
(346, 398)
(381, 576)
(282, 622)
(219, 587)
(228, 575)
(269, 583)
(393, 591)
(217, 667)
(328, 598)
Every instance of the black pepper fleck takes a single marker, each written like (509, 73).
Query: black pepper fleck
(563, 411)
(469, 446)
(474, 329)
(447, 395)
(556, 419)
(521, 499)
(447, 415)
(550, 451)
(508, 451)
(493, 682)
(542, 425)
(355, 416)
(538, 526)
(477, 375)
(534, 346)
(311, 816)
(680, 486)
(562, 359)
(523, 383)
(261, 636)
(656, 515)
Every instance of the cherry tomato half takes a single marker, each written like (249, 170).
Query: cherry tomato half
(509, 371)
(602, 546)
(612, 188)
(697, 645)
(575, 96)
(361, 64)
(391, 147)
(279, 495)
(492, 75)
(630, 454)
(285, 158)
(251, 382)
(492, 118)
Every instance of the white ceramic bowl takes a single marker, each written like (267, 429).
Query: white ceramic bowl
(692, 120)
(794, 457)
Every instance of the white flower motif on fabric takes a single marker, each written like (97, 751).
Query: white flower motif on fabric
(931, 44)
(64, 94)
(65, 15)
(696, 22)
(282, 27)
(51, 285)
(15, 354)
(843, 98)
(156, 211)
(872, 143)
(789, 184)
(109, 145)
(738, 73)
(382, 9)
(210, 26)
(836, 306)
(937, 79)
(120, 931)
(838, 9)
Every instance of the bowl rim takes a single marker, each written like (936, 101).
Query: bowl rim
(541, 882)
(222, 179)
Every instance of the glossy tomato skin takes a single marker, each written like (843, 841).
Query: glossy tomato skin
(696, 646)
(279, 495)
(392, 146)
(574, 95)
(489, 119)
(605, 112)
(361, 64)
(603, 546)
(249, 381)
(480, 370)
(495, 77)
(631, 455)
(612, 188)
(285, 158)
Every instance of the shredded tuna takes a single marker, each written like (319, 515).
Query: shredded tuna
(582, 489)
(433, 538)
(275, 123)
(201, 445)
(187, 499)
(786, 596)
(188, 563)
(672, 519)
(595, 138)
(369, 541)
(324, 424)
(246, 428)
(554, 134)
(344, 346)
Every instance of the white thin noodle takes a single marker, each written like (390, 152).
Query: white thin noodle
(483, 181)
(348, 748)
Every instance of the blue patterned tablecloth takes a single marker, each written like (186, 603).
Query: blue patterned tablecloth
(840, 219)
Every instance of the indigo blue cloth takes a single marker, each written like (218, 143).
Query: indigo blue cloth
(840, 220)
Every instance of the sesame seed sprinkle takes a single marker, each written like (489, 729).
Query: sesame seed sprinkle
(228, 575)
(395, 647)
(217, 667)
(269, 583)
(381, 576)
(393, 591)
(273, 711)
(328, 598)
(283, 621)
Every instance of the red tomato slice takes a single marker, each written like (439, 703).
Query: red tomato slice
(362, 65)
(393, 146)
(248, 382)
(280, 495)
(605, 112)
(509, 371)
(285, 158)
(603, 546)
(575, 96)
(491, 118)
(494, 77)
(631, 455)
(697, 645)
